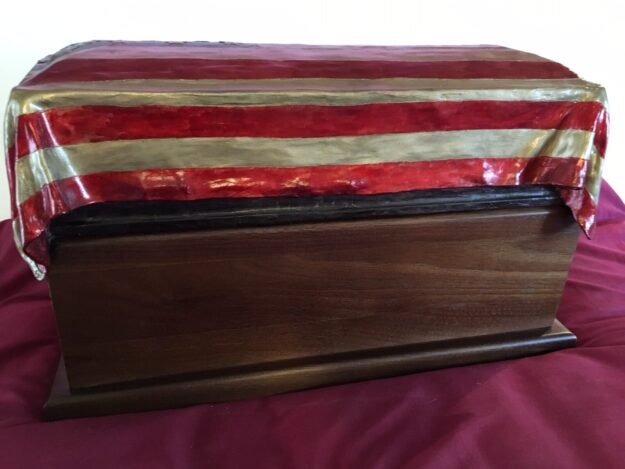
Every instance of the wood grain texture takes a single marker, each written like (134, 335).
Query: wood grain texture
(164, 307)
(390, 362)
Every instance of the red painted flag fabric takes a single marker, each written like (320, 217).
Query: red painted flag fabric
(119, 121)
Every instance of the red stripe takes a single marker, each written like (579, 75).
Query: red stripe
(192, 184)
(104, 123)
(583, 207)
(85, 69)
(135, 50)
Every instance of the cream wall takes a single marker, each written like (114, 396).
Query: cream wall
(587, 36)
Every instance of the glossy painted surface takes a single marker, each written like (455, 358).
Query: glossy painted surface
(108, 121)
(89, 124)
(192, 69)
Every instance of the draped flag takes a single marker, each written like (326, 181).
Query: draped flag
(121, 121)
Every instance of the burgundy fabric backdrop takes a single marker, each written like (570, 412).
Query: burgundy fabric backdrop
(564, 409)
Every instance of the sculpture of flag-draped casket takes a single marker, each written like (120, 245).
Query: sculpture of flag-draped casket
(221, 221)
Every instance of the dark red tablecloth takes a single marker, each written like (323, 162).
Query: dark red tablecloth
(564, 409)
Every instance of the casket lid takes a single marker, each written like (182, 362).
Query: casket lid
(120, 121)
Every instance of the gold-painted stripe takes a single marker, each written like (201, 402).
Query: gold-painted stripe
(276, 92)
(51, 164)
(593, 176)
(310, 84)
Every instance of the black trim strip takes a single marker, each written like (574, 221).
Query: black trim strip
(142, 217)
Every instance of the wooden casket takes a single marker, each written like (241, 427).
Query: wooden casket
(226, 221)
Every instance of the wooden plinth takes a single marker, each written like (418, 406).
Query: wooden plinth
(293, 376)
